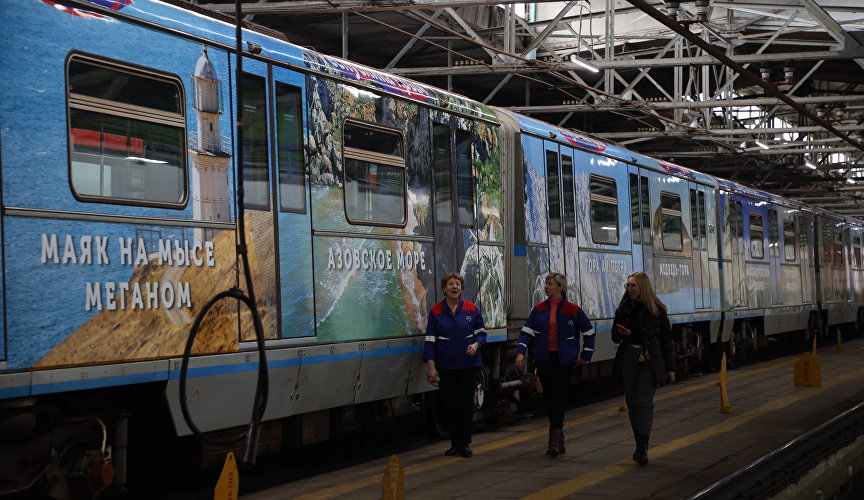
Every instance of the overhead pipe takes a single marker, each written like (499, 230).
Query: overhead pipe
(744, 72)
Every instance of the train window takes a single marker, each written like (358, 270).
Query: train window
(634, 208)
(789, 239)
(773, 234)
(127, 134)
(645, 206)
(374, 175)
(256, 173)
(567, 196)
(604, 210)
(670, 221)
(443, 188)
(757, 239)
(464, 179)
(856, 250)
(703, 222)
(694, 219)
(289, 155)
(553, 193)
(738, 221)
(838, 248)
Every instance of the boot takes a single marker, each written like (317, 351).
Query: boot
(641, 453)
(561, 449)
(554, 435)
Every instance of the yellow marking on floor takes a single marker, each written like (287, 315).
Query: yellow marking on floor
(610, 471)
(343, 489)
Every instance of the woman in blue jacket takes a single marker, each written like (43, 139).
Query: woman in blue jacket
(455, 335)
(553, 331)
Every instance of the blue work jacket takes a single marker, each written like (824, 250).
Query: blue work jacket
(449, 334)
(572, 324)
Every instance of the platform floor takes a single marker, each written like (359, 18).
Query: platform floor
(692, 446)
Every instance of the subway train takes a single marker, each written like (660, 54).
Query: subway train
(121, 218)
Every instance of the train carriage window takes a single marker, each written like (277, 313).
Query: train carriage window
(374, 175)
(644, 200)
(773, 234)
(757, 239)
(464, 179)
(443, 188)
(127, 134)
(738, 222)
(671, 225)
(604, 210)
(567, 195)
(256, 172)
(856, 250)
(634, 208)
(553, 193)
(289, 155)
(703, 222)
(789, 239)
(694, 219)
(838, 248)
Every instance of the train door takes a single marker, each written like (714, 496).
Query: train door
(699, 241)
(774, 255)
(568, 220)
(290, 207)
(553, 195)
(454, 202)
(635, 216)
(804, 237)
(735, 215)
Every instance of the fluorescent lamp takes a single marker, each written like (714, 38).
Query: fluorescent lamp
(809, 165)
(584, 64)
(761, 145)
(850, 181)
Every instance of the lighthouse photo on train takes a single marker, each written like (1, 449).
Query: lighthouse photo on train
(361, 190)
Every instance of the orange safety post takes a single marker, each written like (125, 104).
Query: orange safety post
(724, 395)
(229, 481)
(393, 481)
(808, 373)
(839, 340)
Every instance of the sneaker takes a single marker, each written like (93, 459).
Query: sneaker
(453, 451)
(466, 452)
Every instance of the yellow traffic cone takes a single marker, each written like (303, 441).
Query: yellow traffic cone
(624, 408)
(724, 395)
(393, 481)
(808, 373)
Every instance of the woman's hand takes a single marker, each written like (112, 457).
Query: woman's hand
(473, 348)
(671, 377)
(623, 330)
(432, 376)
(520, 361)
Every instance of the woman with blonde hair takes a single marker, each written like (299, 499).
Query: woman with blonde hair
(646, 355)
(561, 337)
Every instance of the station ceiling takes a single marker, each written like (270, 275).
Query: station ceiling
(769, 93)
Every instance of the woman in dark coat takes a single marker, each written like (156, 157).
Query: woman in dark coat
(646, 355)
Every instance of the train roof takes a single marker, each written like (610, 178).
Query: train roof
(577, 139)
(218, 28)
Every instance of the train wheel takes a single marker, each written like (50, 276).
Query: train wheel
(433, 414)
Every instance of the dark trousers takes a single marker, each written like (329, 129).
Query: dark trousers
(640, 384)
(556, 380)
(457, 394)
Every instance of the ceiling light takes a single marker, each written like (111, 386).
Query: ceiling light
(761, 145)
(809, 165)
(583, 63)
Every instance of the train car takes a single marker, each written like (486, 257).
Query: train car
(121, 219)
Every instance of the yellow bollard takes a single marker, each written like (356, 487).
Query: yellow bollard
(393, 482)
(229, 482)
(839, 340)
(724, 395)
(624, 408)
(808, 373)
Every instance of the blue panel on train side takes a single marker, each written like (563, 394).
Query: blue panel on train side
(92, 292)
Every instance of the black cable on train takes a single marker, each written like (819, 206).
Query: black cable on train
(259, 403)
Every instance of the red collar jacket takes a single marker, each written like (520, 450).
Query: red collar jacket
(449, 334)
(573, 325)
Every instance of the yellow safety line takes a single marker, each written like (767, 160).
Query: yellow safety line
(434, 463)
(595, 476)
